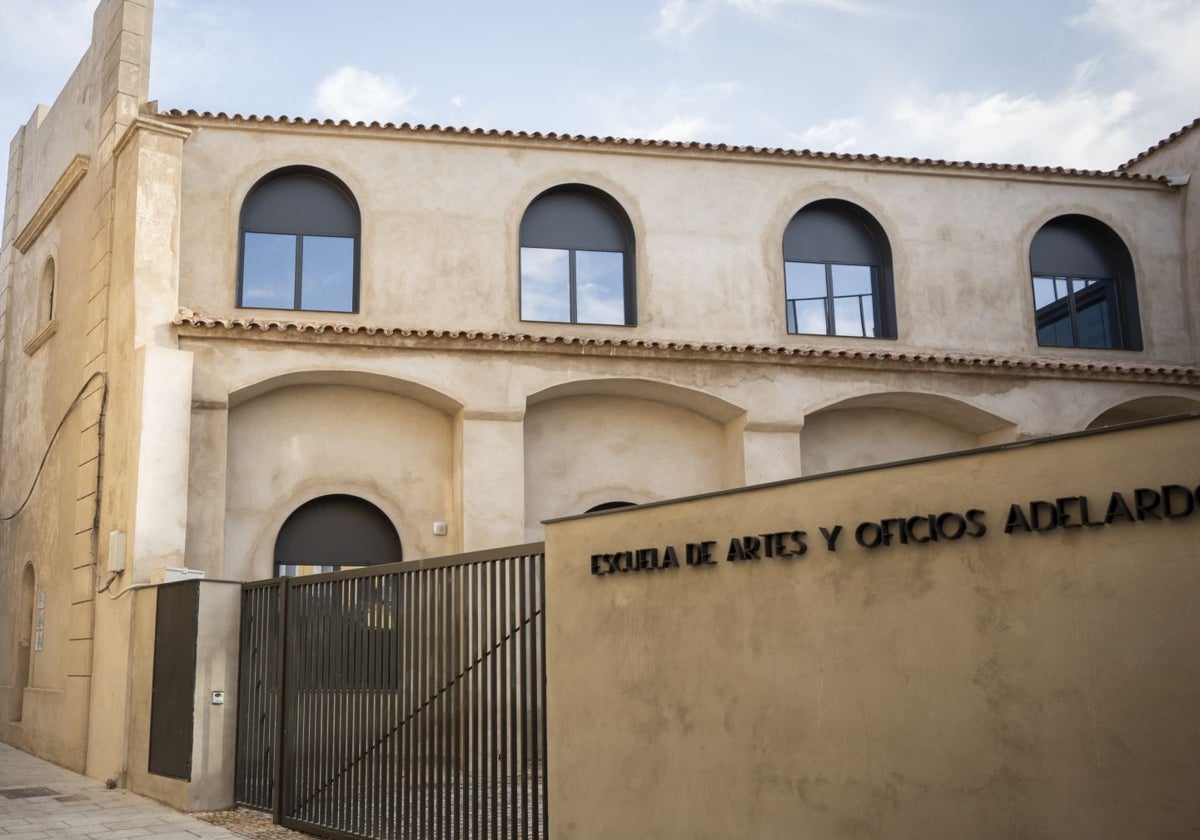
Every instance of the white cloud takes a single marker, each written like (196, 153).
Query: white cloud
(1164, 32)
(1143, 82)
(771, 9)
(678, 19)
(673, 113)
(835, 135)
(1079, 128)
(355, 94)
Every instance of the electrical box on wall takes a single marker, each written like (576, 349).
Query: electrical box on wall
(116, 552)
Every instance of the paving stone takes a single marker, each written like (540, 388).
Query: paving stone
(82, 807)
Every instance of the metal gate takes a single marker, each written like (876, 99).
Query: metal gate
(400, 701)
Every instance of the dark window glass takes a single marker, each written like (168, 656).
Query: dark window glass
(269, 270)
(837, 271)
(327, 273)
(576, 260)
(1083, 290)
(545, 284)
(335, 532)
(300, 236)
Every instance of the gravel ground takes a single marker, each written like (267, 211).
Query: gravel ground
(252, 824)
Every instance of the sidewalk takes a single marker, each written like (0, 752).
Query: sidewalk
(42, 801)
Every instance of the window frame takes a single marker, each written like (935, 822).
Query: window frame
(858, 235)
(1087, 252)
(581, 238)
(329, 183)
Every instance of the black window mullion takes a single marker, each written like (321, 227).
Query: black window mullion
(299, 269)
(830, 325)
(574, 302)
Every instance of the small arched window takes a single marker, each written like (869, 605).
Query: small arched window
(1083, 287)
(614, 505)
(838, 272)
(46, 292)
(299, 243)
(577, 259)
(335, 532)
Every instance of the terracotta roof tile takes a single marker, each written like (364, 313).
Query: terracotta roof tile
(484, 340)
(579, 139)
(1166, 141)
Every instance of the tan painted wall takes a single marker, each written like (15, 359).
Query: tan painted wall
(1180, 161)
(440, 223)
(62, 203)
(295, 444)
(191, 467)
(585, 451)
(1010, 685)
(840, 439)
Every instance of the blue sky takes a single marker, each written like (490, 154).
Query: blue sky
(1082, 83)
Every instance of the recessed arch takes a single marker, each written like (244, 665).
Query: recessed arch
(1144, 408)
(954, 412)
(704, 404)
(369, 380)
(877, 428)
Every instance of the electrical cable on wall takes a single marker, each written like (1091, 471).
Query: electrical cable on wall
(101, 375)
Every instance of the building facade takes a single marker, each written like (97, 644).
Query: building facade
(242, 345)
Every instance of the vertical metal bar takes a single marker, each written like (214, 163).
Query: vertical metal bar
(283, 760)
(419, 718)
(407, 674)
(542, 605)
(375, 685)
(510, 644)
(523, 719)
(458, 670)
(392, 663)
(476, 699)
(494, 698)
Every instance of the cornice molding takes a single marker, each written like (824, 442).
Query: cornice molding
(41, 337)
(54, 200)
(146, 124)
(190, 324)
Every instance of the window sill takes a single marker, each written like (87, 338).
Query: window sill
(43, 335)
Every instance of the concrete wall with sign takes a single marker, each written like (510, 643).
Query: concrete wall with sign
(995, 682)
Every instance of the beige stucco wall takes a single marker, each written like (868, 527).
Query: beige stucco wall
(1179, 160)
(585, 451)
(839, 439)
(1008, 685)
(294, 444)
(63, 204)
(441, 216)
(459, 431)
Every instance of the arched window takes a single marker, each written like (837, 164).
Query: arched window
(838, 272)
(46, 292)
(299, 243)
(1083, 288)
(25, 644)
(335, 532)
(577, 259)
(608, 506)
